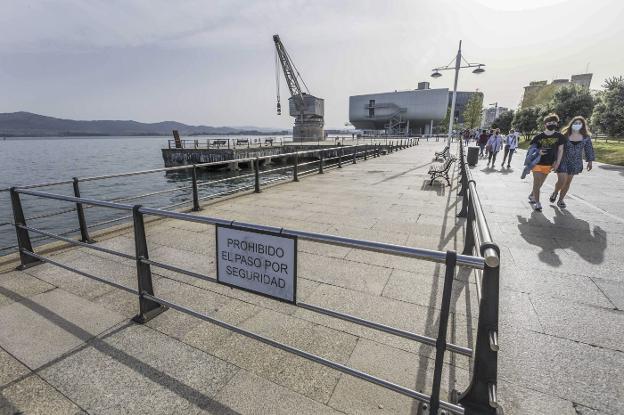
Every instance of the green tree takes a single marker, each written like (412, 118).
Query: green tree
(609, 111)
(525, 120)
(473, 111)
(503, 121)
(570, 101)
(442, 126)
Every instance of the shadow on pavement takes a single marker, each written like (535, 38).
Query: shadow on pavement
(588, 243)
(612, 168)
(565, 232)
(144, 369)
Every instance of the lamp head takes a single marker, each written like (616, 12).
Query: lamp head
(478, 70)
(436, 74)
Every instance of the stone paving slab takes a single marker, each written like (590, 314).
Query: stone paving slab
(34, 396)
(140, 371)
(247, 394)
(57, 323)
(10, 368)
(15, 285)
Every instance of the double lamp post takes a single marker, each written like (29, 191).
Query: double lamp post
(458, 65)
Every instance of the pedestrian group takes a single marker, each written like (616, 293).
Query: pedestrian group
(551, 150)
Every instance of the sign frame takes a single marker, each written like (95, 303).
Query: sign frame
(262, 232)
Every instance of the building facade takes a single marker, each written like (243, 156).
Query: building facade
(541, 92)
(409, 112)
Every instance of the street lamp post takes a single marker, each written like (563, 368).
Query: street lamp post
(436, 74)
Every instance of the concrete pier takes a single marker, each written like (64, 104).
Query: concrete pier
(67, 344)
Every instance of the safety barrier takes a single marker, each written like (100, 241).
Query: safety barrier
(480, 395)
(341, 155)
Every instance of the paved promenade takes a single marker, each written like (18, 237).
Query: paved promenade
(68, 346)
(562, 291)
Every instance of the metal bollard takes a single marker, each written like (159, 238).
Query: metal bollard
(148, 309)
(366, 152)
(320, 162)
(296, 168)
(196, 206)
(354, 154)
(82, 221)
(23, 236)
(340, 157)
(256, 163)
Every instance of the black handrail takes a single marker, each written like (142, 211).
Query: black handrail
(480, 396)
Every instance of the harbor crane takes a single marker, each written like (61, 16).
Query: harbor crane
(307, 109)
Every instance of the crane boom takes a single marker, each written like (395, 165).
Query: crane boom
(289, 73)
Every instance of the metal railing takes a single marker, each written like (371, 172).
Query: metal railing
(150, 305)
(481, 394)
(478, 398)
(338, 156)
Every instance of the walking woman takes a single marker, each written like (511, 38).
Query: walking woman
(494, 145)
(579, 143)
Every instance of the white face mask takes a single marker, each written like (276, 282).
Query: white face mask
(577, 126)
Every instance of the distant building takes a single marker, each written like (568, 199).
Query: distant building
(540, 92)
(408, 112)
(491, 114)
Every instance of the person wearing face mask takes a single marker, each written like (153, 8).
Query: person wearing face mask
(550, 143)
(578, 143)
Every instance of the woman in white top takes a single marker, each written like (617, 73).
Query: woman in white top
(494, 145)
(511, 144)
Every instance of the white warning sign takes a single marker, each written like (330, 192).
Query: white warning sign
(262, 262)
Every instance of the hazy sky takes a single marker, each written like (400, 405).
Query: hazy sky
(212, 62)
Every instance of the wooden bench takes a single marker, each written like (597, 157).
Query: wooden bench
(219, 142)
(242, 141)
(268, 142)
(441, 170)
(443, 155)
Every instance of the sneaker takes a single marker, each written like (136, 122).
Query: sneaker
(508, 166)
(553, 197)
(531, 199)
(561, 204)
(537, 206)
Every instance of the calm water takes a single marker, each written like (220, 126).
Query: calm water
(33, 160)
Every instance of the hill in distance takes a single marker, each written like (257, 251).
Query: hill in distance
(26, 124)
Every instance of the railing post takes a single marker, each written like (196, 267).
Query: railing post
(321, 162)
(340, 151)
(354, 154)
(196, 206)
(256, 164)
(296, 168)
(378, 149)
(23, 237)
(82, 221)
(469, 241)
(148, 309)
(365, 151)
(445, 308)
(480, 395)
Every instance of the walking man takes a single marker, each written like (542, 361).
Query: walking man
(550, 144)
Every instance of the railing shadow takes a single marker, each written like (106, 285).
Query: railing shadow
(184, 391)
